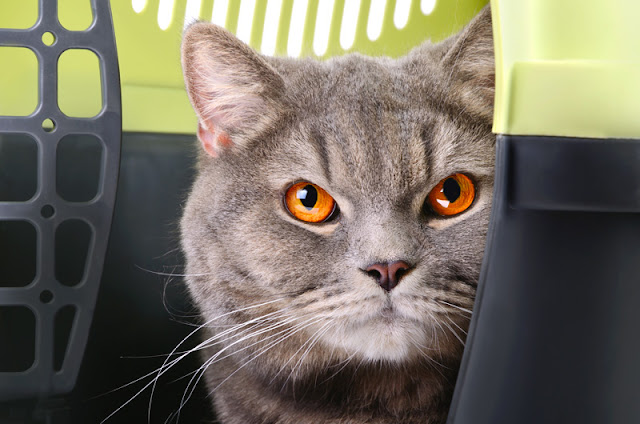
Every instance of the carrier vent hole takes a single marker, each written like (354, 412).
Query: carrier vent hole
(18, 252)
(75, 15)
(46, 296)
(62, 334)
(18, 78)
(79, 83)
(48, 38)
(17, 338)
(73, 241)
(18, 167)
(78, 167)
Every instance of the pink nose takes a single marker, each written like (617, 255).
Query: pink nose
(388, 275)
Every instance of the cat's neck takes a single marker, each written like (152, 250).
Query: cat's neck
(418, 392)
(383, 387)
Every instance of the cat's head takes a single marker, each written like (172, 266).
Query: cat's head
(357, 144)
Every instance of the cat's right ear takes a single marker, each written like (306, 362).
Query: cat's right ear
(234, 91)
(471, 64)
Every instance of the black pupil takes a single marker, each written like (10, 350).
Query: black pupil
(451, 189)
(308, 196)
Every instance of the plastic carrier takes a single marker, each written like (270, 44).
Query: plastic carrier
(553, 333)
(60, 134)
(552, 338)
(53, 234)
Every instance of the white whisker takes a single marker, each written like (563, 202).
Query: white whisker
(454, 333)
(315, 337)
(215, 358)
(295, 353)
(344, 365)
(455, 306)
(261, 353)
(169, 364)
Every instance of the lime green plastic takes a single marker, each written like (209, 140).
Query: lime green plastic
(18, 82)
(18, 14)
(153, 95)
(79, 72)
(567, 67)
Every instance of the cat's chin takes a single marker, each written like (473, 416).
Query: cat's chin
(384, 336)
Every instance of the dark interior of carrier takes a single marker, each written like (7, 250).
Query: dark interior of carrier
(141, 311)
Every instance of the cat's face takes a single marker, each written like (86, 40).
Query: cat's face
(377, 135)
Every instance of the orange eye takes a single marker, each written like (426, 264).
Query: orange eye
(452, 196)
(309, 203)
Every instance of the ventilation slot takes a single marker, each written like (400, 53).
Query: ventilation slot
(219, 13)
(376, 19)
(192, 11)
(245, 20)
(18, 14)
(17, 338)
(78, 167)
(271, 21)
(401, 14)
(138, 5)
(63, 326)
(75, 15)
(349, 23)
(79, 83)
(323, 27)
(18, 167)
(165, 13)
(427, 6)
(18, 251)
(296, 28)
(18, 81)
(73, 240)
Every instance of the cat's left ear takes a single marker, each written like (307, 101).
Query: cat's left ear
(234, 91)
(472, 64)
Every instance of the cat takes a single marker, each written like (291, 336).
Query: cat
(334, 279)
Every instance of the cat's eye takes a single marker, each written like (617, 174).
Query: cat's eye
(309, 202)
(452, 196)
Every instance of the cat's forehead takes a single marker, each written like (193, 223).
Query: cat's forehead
(374, 127)
(358, 84)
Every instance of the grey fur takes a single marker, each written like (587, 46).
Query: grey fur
(377, 134)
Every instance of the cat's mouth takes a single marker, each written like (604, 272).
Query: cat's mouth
(389, 313)
(390, 317)
(385, 333)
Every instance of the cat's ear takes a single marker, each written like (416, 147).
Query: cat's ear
(234, 91)
(470, 61)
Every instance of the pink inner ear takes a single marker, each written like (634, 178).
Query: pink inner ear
(206, 138)
(227, 96)
(213, 141)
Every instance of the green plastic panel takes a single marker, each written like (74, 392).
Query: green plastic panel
(153, 95)
(567, 68)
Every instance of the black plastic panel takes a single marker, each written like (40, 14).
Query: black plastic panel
(553, 337)
(553, 173)
(34, 198)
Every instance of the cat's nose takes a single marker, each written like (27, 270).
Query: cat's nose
(388, 275)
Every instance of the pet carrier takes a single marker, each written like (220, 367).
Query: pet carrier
(60, 148)
(552, 336)
(552, 339)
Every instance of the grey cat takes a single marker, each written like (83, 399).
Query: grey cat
(336, 228)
